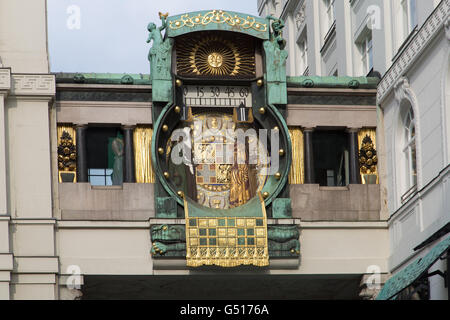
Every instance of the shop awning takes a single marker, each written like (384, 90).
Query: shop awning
(412, 272)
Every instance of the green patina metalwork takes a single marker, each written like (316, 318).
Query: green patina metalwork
(275, 55)
(281, 208)
(333, 82)
(219, 20)
(103, 78)
(412, 272)
(144, 79)
(170, 241)
(250, 209)
(166, 207)
(160, 57)
(274, 186)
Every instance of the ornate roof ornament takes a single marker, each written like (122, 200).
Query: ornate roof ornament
(218, 17)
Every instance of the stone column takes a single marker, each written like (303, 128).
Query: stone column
(355, 177)
(129, 175)
(82, 169)
(309, 156)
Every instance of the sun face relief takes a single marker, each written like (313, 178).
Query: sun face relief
(215, 55)
(215, 60)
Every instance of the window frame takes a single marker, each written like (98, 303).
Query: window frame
(330, 15)
(105, 175)
(409, 17)
(410, 149)
(303, 49)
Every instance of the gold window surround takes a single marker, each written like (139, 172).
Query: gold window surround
(142, 140)
(297, 172)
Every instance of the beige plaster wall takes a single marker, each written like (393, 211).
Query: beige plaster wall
(23, 36)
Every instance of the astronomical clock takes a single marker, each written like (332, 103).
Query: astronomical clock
(220, 147)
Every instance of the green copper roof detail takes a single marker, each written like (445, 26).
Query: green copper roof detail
(221, 20)
(333, 82)
(413, 271)
(103, 78)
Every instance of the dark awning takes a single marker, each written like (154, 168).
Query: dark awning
(412, 272)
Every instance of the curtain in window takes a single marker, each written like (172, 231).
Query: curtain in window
(142, 154)
(297, 173)
(365, 176)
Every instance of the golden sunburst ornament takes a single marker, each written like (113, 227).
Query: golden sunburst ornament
(214, 55)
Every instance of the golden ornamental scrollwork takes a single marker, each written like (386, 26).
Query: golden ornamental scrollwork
(219, 17)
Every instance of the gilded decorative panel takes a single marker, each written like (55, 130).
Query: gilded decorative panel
(218, 54)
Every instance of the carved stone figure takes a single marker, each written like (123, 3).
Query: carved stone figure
(277, 34)
(160, 52)
(118, 148)
(275, 54)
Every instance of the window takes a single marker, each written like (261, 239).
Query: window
(100, 177)
(105, 148)
(330, 15)
(366, 51)
(331, 158)
(303, 47)
(409, 17)
(409, 150)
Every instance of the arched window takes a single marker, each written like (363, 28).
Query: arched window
(409, 150)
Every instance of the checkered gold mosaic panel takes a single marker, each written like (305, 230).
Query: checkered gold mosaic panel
(227, 242)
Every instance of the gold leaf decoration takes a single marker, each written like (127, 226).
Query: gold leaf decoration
(67, 154)
(219, 17)
(215, 55)
(367, 156)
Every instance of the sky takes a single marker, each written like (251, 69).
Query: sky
(109, 36)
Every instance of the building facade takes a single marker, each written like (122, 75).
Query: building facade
(406, 44)
(93, 208)
(346, 38)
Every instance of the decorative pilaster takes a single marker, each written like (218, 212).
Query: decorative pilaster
(355, 177)
(129, 175)
(5, 86)
(82, 169)
(309, 156)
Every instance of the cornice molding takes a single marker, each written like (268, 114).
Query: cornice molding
(33, 85)
(437, 20)
(5, 79)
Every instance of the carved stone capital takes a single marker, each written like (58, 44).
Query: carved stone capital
(5, 79)
(401, 89)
